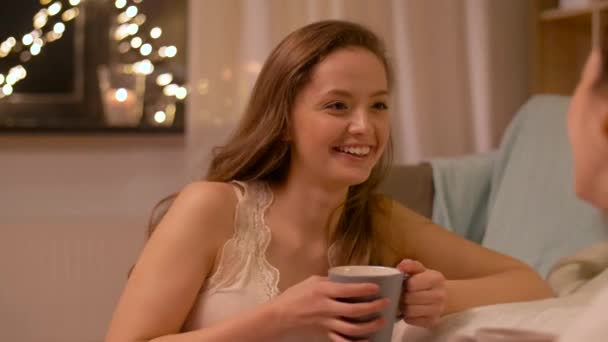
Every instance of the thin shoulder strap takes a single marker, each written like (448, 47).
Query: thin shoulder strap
(240, 188)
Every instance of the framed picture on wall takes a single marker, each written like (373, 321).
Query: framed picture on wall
(93, 66)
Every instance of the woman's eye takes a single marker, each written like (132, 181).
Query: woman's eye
(380, 106)
(337, 106)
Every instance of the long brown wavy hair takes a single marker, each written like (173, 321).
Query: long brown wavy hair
(257, 150)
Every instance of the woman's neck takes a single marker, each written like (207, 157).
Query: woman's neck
(312, 209)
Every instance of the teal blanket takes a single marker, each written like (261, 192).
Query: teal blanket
(519, 199)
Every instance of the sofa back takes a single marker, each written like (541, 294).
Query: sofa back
(412, 185)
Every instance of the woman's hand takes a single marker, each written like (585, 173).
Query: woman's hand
(424, 294)
(312, 305)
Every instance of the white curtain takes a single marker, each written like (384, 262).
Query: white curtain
(462, 66)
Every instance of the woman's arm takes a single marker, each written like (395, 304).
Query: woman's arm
(172, 268)
(476, 276)
(516, 284)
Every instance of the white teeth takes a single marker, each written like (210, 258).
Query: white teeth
(359, 151)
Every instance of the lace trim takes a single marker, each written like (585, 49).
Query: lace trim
(249, 243)
(270, 274)
(230, 244)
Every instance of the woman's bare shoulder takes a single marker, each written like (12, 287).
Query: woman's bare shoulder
(202, 208)
(207, 195)
(394, 215)
(394, 224)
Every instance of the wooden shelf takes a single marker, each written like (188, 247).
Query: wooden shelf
(561, 41)
(562, 13)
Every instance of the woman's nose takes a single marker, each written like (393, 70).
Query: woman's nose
(360, 122)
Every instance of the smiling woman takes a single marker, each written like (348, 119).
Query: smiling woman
(50, 52)
(292, 193)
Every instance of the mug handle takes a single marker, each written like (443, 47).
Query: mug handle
(399, 316)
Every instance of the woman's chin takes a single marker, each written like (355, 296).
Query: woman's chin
(355, 178)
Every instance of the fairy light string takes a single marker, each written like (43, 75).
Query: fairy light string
(49, 25)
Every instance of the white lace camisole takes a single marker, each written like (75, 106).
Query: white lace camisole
(243, 278)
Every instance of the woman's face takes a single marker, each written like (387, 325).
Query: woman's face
(340, 119)
(587, 120)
